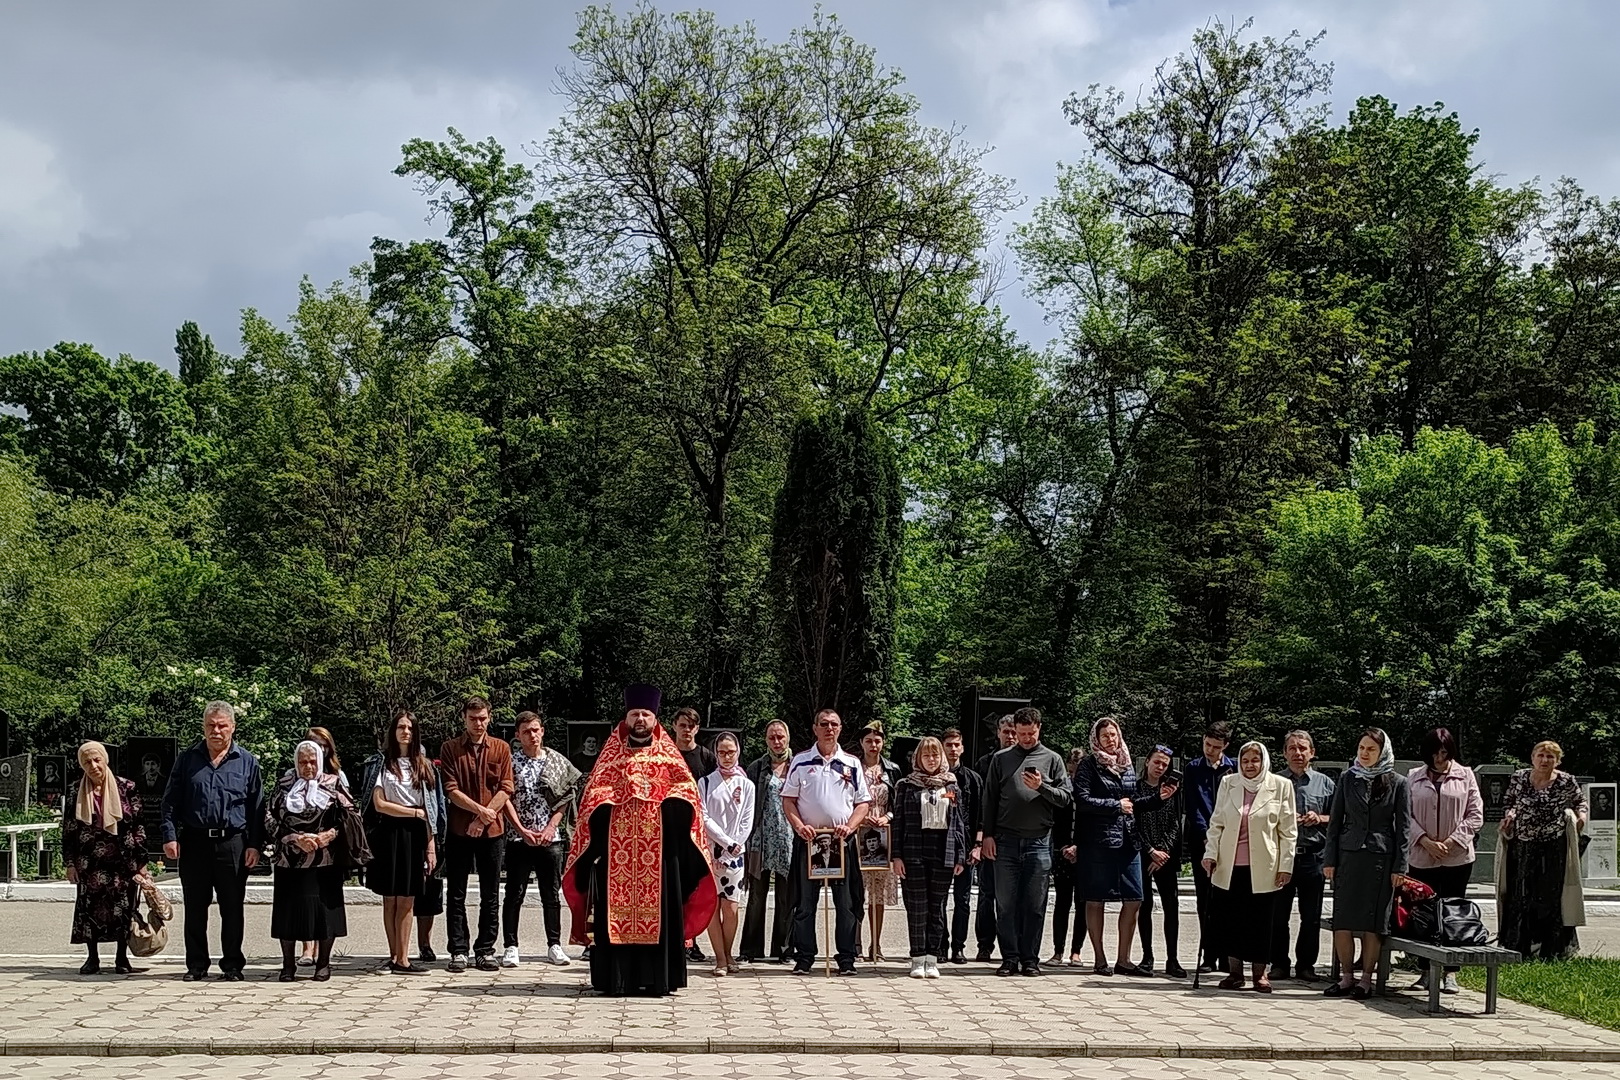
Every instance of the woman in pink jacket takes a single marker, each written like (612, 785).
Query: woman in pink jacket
(1447, 813)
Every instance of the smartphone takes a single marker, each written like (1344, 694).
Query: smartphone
(1170, 777)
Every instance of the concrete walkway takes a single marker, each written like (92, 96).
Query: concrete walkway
(541, 1009)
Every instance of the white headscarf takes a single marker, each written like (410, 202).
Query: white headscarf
(308, 794)
(1253, 786)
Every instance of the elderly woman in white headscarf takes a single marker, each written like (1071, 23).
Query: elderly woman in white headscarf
(1249, 856)
(308, 820)
(104, 850)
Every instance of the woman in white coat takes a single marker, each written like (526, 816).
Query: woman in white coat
(1248, 857)
(728, 813)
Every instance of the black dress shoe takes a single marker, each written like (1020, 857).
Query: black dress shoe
(1306, 974)
(230, 976)
(426, 955)
(1205, 968)
(1337, 990)
(984, 956)
(1008, 967)
(194, 976)
(1132, 969)
(288, 974)
(1101, 969)
(1279, 971)
(322, 974)
(1360, 993)
(958, 957)
(1031, 967)
(91, 966)
(1175, 970)
(124, 967)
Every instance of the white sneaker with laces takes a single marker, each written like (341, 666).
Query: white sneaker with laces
(930, 967)
(917, 968)
(1449, 984)
(557, 956)
(510, 957)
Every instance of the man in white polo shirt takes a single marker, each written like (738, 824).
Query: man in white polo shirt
(826, 788)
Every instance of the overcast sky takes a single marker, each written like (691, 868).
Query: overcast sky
(164, 162)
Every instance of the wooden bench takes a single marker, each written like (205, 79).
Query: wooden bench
(1440, 957)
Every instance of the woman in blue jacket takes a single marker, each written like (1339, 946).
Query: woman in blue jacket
(1108, 860)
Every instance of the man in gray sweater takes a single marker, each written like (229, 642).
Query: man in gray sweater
(1025, 786)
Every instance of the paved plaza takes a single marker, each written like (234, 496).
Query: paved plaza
(653, 1066)
(543, 1021)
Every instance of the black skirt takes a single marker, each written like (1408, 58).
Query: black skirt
(1243, 919)
(307, 905)
(398, 856)
(1363, 895)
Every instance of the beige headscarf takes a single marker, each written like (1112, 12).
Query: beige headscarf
(112, 807)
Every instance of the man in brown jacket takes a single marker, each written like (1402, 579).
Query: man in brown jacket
(477, 777)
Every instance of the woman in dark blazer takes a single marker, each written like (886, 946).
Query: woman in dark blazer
(1365, 858)
(1109, 849)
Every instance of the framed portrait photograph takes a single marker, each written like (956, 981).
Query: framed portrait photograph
(872, 847)
(826, 861)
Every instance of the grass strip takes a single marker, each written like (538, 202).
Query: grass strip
(1586, 988)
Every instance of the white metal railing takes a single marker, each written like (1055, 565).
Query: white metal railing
(39, 829)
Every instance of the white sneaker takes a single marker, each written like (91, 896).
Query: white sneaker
(557, 956)
(1449, 984)
(510, 957)
(930, 967)
(917, 968)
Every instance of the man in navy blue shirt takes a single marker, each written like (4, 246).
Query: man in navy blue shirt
(213, 822)
(1202, 777)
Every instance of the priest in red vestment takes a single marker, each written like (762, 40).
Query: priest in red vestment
(638, 875)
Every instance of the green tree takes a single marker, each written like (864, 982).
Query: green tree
(772, 223)
(363, 551)
(834, 565)
(91, 426)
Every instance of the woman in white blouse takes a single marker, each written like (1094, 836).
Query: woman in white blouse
(728, 813)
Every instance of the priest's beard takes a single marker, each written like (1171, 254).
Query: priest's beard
(631, 739)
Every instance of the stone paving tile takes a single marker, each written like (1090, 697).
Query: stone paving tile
(734, 1067)
(969, 1009)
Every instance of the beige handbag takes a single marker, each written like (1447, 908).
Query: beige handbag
(148, 935)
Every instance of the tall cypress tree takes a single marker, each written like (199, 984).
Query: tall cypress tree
(834, 569)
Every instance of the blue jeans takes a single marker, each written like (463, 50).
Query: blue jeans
(1023, 872)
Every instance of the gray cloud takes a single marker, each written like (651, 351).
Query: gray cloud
(160, 163)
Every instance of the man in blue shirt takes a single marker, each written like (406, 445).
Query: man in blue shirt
(1313, 797)
(1202, 777)
(213, 822)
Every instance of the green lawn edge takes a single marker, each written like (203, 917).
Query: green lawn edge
(1585, 988)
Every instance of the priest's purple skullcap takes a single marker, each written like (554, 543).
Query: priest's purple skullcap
(642, 696)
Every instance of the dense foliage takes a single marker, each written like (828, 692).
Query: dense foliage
(716, 395)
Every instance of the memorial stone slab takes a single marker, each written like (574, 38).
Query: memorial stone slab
(15, 772)
(1599, 865)
(52, 773)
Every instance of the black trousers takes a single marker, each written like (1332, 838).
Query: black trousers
(1066, 897)
(960, 902)
(1307, 886)
(545, 864)
(848, 900)
(984, 920)
(924, 890)
(1204, 892)
(463, 854)
(752, 945)
(1166, 881)
(212, 871)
